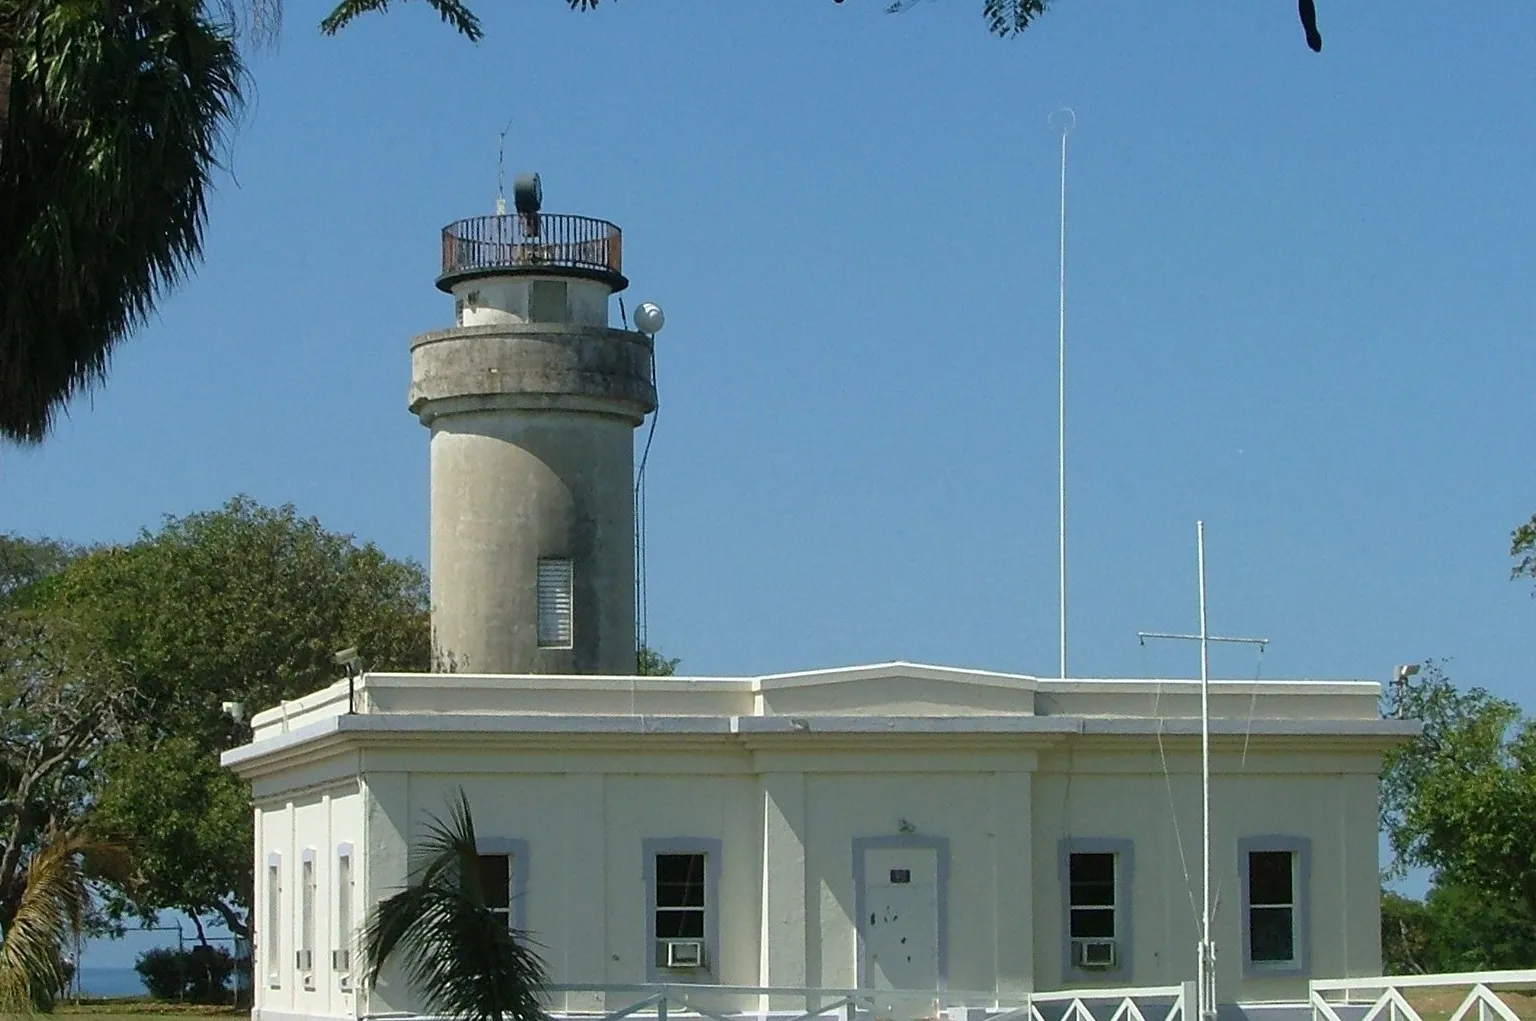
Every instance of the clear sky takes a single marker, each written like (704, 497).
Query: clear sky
(1300, 307)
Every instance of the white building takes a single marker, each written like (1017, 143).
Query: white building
(885, 827)
(889, 826)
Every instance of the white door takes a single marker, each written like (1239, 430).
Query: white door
(901, 918)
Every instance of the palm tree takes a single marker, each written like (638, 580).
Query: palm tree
(461, 958)
(51, 910)
(113, 114)
(112, 127)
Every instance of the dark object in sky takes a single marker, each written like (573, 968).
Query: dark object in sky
(1309, 22)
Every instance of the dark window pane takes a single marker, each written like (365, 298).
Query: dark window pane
(1093, 923)
(680, 895)
(1269, 877)
(495, 873)
(1093, 895)
(679, 925)
(1092, 880)
(1270, 936)
(1091, 868)
(680, 880)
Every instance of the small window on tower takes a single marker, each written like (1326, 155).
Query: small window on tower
(555, 611)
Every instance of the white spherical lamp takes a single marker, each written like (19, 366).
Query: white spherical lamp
(649, 318)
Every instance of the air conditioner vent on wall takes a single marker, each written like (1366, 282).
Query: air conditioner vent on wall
(1093, 953)
(684, 953)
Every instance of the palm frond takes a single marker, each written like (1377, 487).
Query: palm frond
(452, 12)
(51, 910)
(1010, 17)
(457, 954)
(117, 118)
(1003, 17)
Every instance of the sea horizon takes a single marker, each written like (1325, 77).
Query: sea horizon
(108, 983)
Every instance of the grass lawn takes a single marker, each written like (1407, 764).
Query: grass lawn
(1440, 1004)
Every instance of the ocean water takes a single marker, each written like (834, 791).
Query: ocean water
(110, 982)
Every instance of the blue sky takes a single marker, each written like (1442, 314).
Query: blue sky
(1300, 308)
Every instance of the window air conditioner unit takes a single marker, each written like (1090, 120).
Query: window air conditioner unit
(685, 953)
(1093, 953)
(304, 960)
(341, 960)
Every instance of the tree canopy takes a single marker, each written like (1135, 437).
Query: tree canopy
(243, 604)
(1460, 800)
(1454, 929)
(115, 663)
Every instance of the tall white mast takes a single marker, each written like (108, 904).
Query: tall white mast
(1205, 985)
(1065, 119)
(1207, 968)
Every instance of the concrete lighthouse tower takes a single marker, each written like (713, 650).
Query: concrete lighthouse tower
(532, 400)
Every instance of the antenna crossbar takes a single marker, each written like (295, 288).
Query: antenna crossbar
(1144, 635)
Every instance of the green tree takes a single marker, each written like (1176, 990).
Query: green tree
(57, 712)
(1522, 546)
(1454, 929)
(650, 663)
(24, 562)
(462, 959)
(1460, 799)
(190, 820)
(244, 604)
(1407, 937)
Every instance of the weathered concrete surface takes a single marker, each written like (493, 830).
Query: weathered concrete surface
(532, 456)
(534, 360)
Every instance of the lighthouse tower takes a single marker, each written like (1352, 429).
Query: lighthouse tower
(532, 400)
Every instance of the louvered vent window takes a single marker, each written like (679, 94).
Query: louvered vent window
(555, 604)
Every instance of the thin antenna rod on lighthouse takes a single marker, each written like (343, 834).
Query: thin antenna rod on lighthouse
(1065, 119)
(501, 171)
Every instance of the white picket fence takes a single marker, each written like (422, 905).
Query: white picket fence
(667, 1002)
(1387, 998)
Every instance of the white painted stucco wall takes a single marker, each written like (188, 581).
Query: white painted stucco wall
(789, 805)
(486, 301)
(317, 821)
